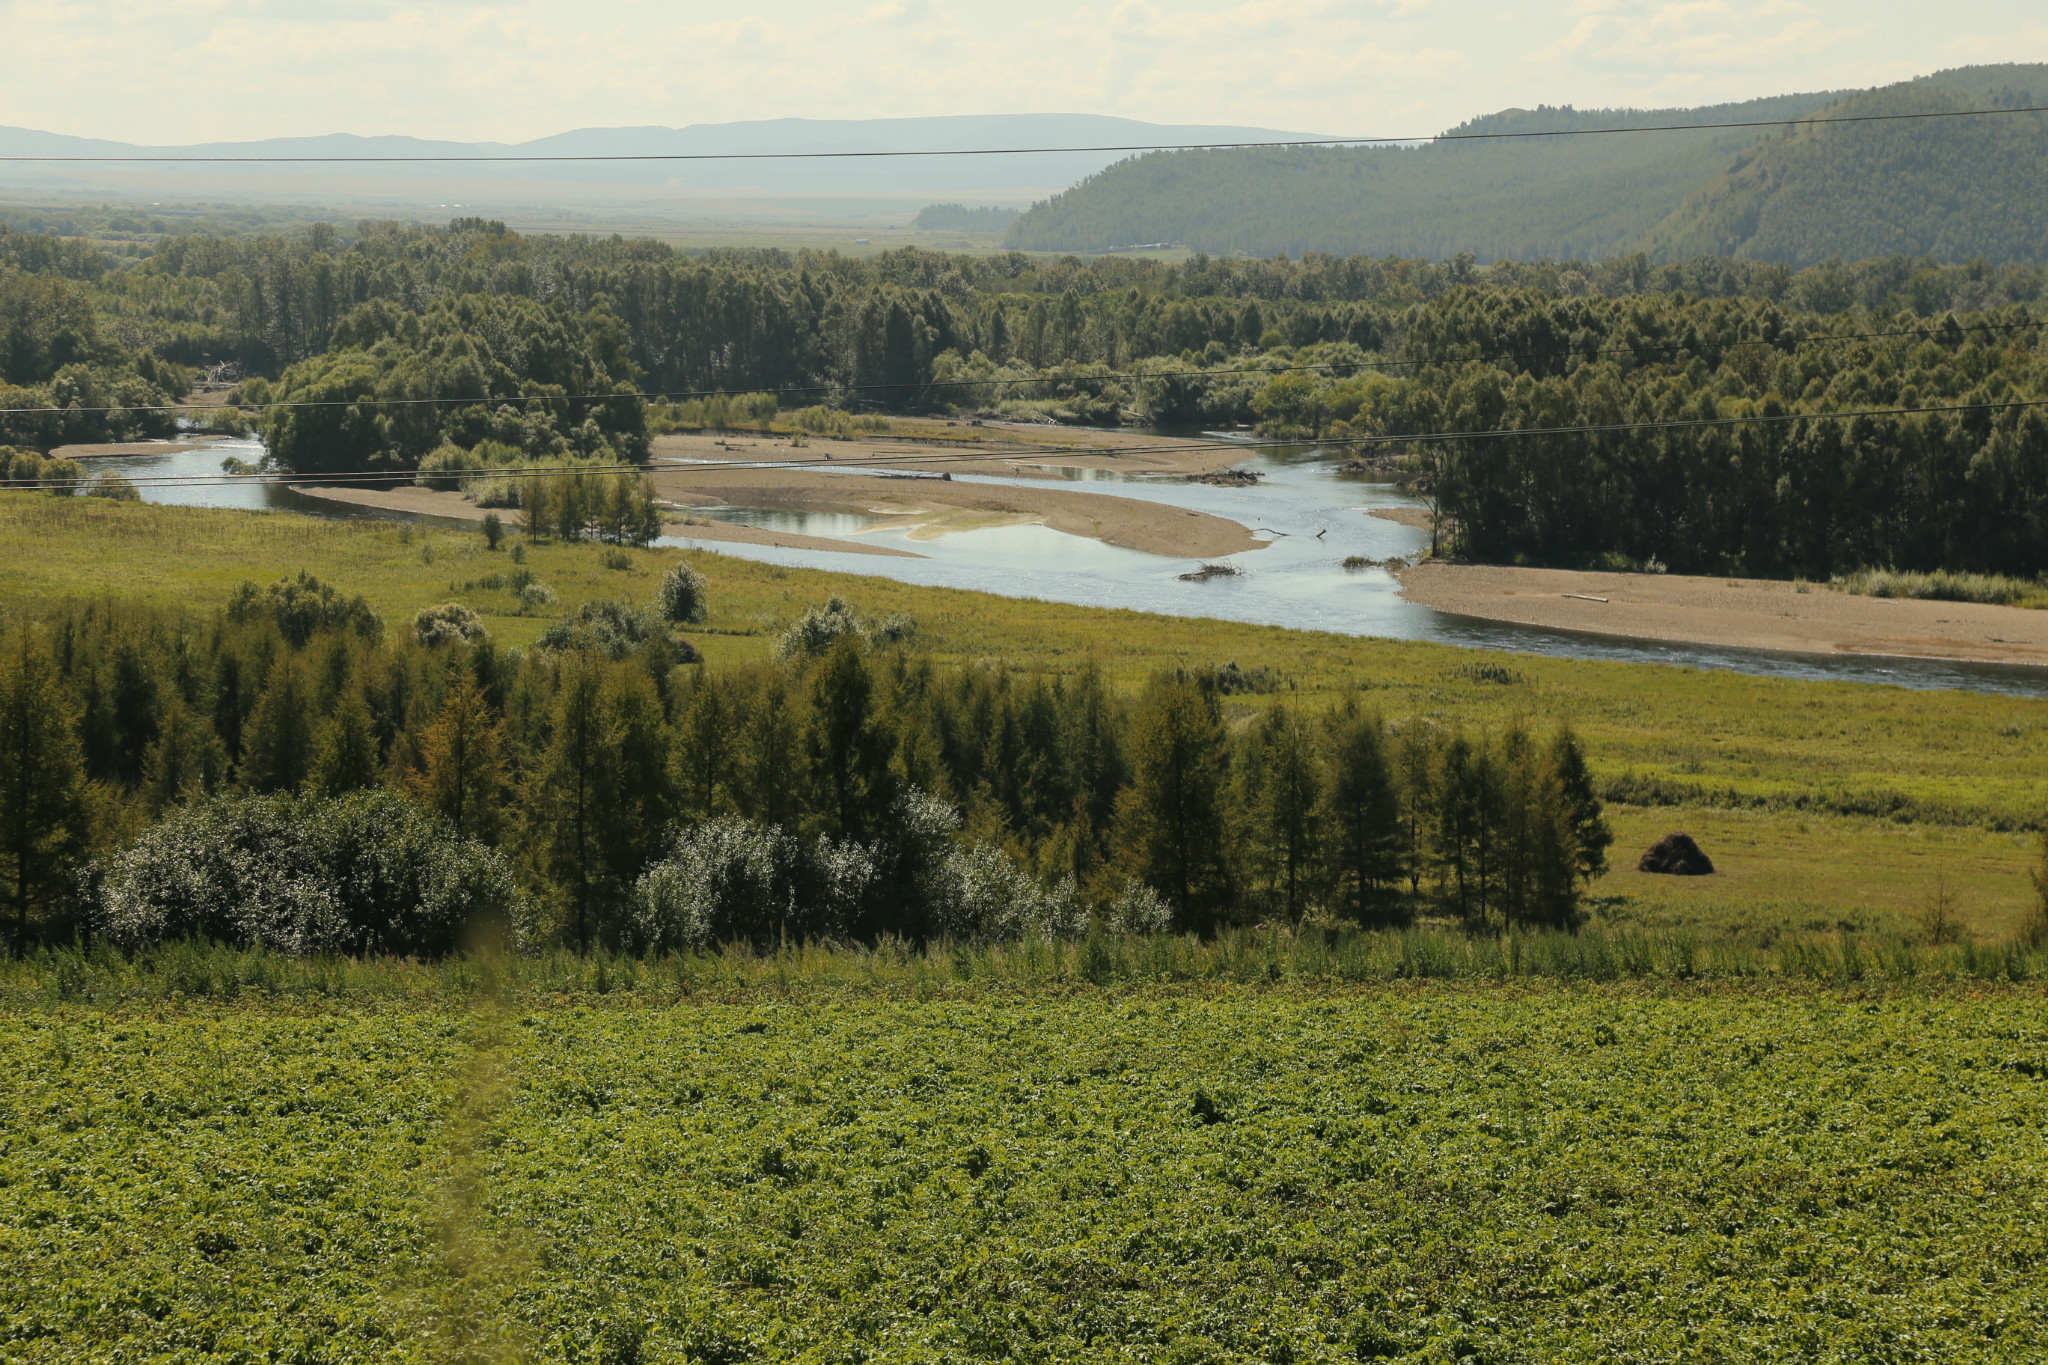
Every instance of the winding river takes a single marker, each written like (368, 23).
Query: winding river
(1310, 517)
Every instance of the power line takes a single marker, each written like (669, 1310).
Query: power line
(1024, 151)
(794, 389)
(272, 477)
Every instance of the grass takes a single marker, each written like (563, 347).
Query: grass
(1944, 586)
(1530, 1171)
(1780, 778)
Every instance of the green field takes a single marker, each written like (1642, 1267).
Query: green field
(938, 1170)
(1826, 805)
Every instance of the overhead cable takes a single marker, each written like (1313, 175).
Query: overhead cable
(517, 157)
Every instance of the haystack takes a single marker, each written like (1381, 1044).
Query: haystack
(1677, 855)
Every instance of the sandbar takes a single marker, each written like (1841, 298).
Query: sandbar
(434, 503)
(1747, 613)
(104, 449)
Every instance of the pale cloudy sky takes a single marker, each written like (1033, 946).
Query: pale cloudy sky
(165, 71)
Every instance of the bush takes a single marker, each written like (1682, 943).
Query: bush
(26, 467)
(302, 607)
(113, 486)
(369, 872)
(446, 467)
(450, 623)
(612, 629)
(813, 634)
(683, 592)
(733, 880)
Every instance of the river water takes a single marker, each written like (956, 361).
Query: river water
(1309, 516)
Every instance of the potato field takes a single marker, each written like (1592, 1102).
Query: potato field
(1638, 1171)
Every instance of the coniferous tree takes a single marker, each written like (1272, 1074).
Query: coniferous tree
(1366, 813)
(566, 799)
(706, 751)
(42, 799)
(772, 762)
(345, 756)
(1171, 819)
(1589, 832)
(1284, 809)
(186, 762)
(847, 751)
(462, 770)
(637, 804)
(278, 742)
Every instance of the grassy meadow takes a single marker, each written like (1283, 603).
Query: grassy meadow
(477, 1170)
(1826, 805)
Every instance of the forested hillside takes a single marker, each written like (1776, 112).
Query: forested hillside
(1954, 189)
(1951, 189)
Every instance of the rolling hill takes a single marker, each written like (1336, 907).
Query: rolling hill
(1954, 188)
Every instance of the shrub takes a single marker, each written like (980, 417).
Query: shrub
(113, 486)
(303, 606)
(613, 629)
(813, 634)
(732, 880)
(683, 593)
(46, 471)
(450, 623)
(369, 872)
(447, 466)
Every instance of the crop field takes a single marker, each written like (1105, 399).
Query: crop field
(1642, 1171)
(1826, 805)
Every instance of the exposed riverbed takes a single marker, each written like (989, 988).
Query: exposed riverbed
(1309, 518)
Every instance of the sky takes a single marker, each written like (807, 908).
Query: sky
(164, 72)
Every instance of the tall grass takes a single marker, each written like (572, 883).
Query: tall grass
(1944, 586)
(205, 972)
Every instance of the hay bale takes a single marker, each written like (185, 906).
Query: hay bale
(1676, 855)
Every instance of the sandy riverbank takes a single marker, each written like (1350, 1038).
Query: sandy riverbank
(933, 507)
(102, 451)
(1740, 612)
(430, 503)
(712, 470)
(1003, 451)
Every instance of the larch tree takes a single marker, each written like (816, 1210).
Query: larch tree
(42, 799)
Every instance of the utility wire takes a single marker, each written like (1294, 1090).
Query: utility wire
(1029, 151)
(945, 457)
(673, 394)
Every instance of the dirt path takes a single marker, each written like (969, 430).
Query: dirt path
(1744, 612)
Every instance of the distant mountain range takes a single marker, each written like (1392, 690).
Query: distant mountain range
(1953, 188)
(1010, 179)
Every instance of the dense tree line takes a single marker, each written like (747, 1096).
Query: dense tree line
(853, 787)
(62, 379)
(1817, 495)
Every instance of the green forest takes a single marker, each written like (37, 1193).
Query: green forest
(592, 791)
(1954, 188)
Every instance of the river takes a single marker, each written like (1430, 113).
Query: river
(1310, 517)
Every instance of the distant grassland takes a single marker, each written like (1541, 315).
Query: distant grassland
(1824, 803)
(1214, 1174)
